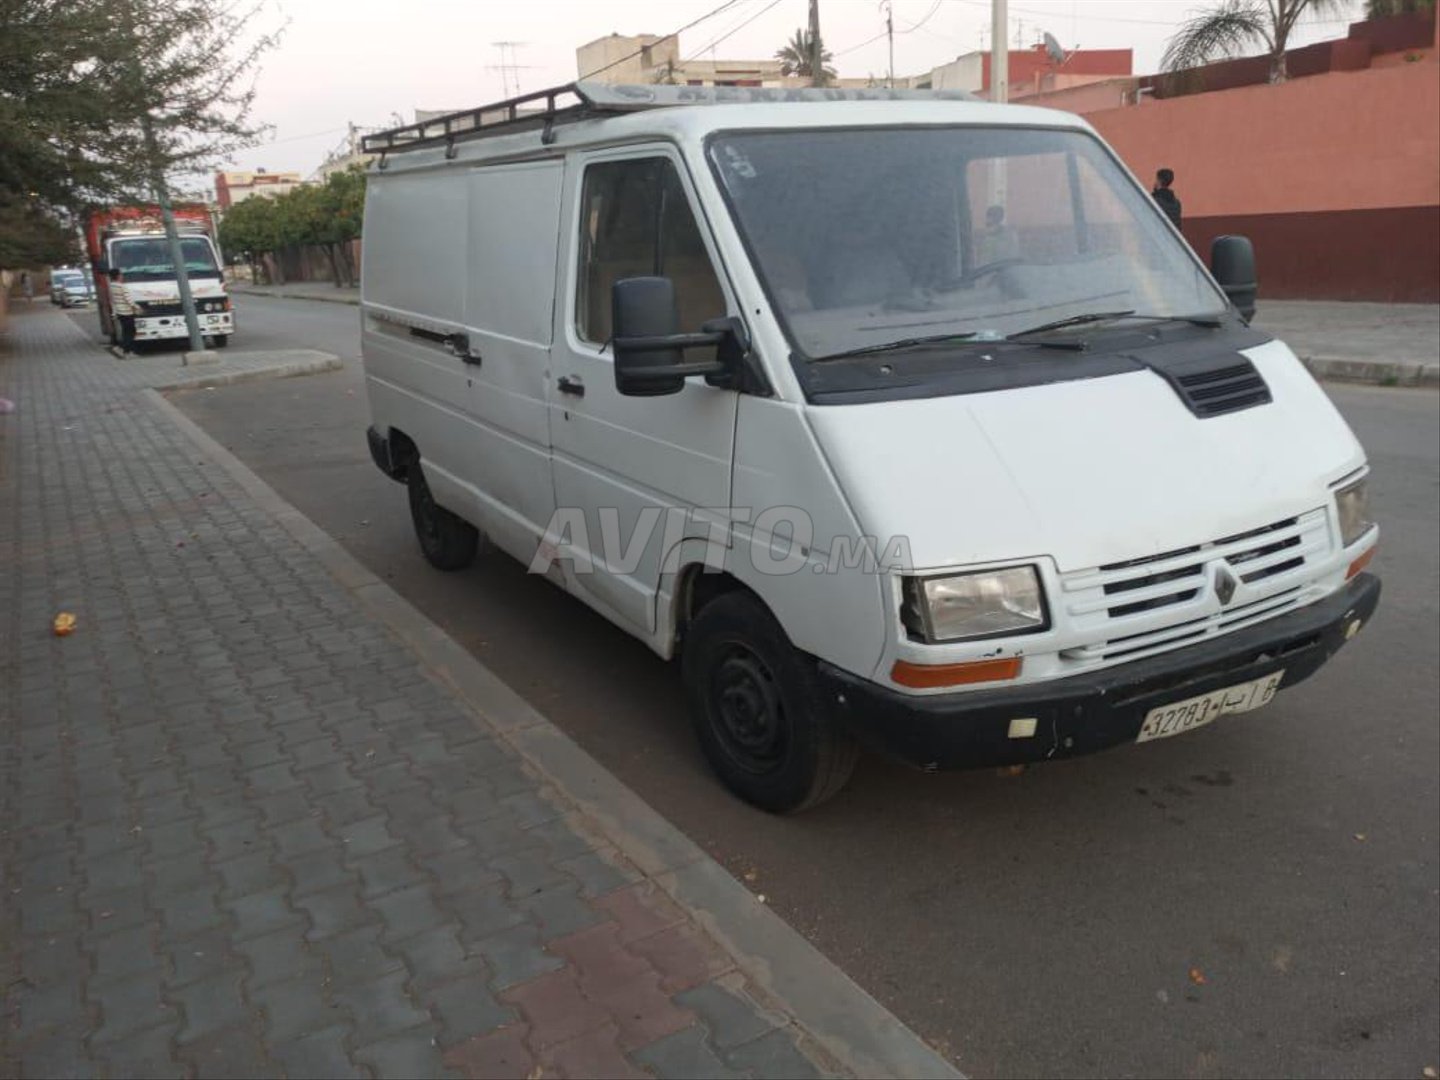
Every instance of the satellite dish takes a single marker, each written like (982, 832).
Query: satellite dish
(1053, 49)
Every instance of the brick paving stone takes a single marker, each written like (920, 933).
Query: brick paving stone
(148, 1053)
(296, 1008)
(438, 956)
(501, 1055)
(775, 1054)
(234, 1053)
(466, 1008)
(555, 1008)
(594, 1053)
(515, 956)
(279, 957)
(730, 1017)
(381, 1006)
(211, 1005)
(598, 873)
(641, 910)
(413, 1054)
(684, 956)
(684, 1054)
(319, 1054)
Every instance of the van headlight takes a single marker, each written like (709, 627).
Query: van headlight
(1353, 503)
(988, 603)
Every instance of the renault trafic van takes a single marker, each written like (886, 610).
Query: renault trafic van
(902, 420)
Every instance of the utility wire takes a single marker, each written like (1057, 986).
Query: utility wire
(675, 33)
(734, 30)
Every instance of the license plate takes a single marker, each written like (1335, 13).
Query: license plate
(1182, 716)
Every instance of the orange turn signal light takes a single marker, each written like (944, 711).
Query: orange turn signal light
(929, 676)
(1361, 561)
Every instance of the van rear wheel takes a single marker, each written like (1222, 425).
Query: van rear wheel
(757, 710)
(447, 541)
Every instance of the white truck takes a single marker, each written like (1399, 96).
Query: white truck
(132, 239)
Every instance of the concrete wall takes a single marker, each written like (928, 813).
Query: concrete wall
(1336, 177)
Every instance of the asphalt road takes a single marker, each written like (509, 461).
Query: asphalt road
(1260, 897)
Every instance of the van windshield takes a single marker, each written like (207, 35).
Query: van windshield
(148, 258)
(866, 237)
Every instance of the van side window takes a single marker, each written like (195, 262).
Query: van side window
(635, 221)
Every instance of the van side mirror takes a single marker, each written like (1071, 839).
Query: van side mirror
(650, 350)
(1232, 261)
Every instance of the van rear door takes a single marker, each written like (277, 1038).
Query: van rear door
(640, 469)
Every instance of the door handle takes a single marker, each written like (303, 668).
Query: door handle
(571, 384)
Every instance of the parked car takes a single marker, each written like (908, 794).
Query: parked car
(753, 375)
(70, 288)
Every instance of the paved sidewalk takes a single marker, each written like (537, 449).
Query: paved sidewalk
(246, 831)
(1390, 343)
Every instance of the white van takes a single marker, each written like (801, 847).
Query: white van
(903, 420)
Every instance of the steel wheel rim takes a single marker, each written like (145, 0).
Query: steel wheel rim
(748, 714)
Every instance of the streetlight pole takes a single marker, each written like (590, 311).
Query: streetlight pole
(999, 52)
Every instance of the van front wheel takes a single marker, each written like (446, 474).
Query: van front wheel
(757, 710)
(448, 542)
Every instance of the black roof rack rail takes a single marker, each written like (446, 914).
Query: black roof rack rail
(585, 100)
(509, 115)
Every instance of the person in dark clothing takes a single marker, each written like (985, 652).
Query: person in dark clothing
(1165, 197)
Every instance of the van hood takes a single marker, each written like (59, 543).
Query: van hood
(1089, 472)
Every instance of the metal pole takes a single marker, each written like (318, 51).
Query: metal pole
(817, 67)
(999, 52)
(890, 33)
(162, 196)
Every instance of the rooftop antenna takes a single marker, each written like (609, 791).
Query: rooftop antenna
(508, 68)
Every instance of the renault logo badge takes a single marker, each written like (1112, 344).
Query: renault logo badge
(1224, 585)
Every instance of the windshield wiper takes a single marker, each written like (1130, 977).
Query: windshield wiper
(895, 346)
(1073, 320)
(1211, 320)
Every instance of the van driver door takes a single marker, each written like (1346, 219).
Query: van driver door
(636, 471)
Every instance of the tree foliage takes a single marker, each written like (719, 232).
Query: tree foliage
(80, 80)
(327, 215)
(1235, 26)
(795, 57)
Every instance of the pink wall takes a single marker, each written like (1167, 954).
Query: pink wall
(1352, 140)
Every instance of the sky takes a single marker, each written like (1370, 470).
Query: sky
(373, 62)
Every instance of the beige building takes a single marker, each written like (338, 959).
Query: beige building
(649, 58)
(234, 187)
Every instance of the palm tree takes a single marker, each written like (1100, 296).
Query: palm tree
(1236, 25)
(795, 58)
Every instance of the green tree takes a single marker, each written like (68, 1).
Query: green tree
(795, 56)
(100, 99)
(1235, 26)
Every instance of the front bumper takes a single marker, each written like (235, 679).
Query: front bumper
(1085, 713)
(164, 327)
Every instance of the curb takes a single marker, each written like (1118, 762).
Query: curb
(314, 365)
(1409, 373)
(352, 301)
(844, 1019)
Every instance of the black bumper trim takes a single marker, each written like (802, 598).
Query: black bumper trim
(1085, 713)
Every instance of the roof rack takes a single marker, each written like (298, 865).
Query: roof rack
(586, 100)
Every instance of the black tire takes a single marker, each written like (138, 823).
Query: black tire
(448, 542)
(219, 341)
(757, 709)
